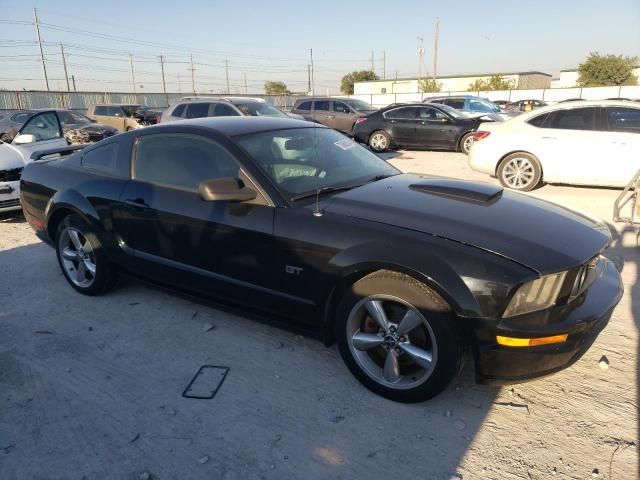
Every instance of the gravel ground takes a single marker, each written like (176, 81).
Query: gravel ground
(90, 388)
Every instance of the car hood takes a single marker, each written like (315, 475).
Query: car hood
(538, 234)
(10, 157)
(93, 128)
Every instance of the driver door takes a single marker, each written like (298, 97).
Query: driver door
(41, 132)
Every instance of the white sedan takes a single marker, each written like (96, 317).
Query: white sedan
(579, 143)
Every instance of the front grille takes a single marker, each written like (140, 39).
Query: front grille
(12, 175)
(14, 202)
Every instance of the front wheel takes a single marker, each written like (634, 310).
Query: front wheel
(520, 171)
(81, 257)
(379, 141)
(398, 337)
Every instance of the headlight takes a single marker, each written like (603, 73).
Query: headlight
(536, 295)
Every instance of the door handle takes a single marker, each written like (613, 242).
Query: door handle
(328, 116)
(138, 203)
(549, 138)
(393, 121)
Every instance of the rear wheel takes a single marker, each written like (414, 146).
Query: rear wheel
(520, 171)
(379, 141)
(465, 143)
(398, 337)
(81, 257)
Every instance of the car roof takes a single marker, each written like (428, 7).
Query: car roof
(115, 105)
(571, 105)
(232, 126)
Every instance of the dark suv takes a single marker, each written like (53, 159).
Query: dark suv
(337, 113)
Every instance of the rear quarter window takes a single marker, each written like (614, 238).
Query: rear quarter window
(100, 110)
(178, 111)
(538, 120)
(101, 159)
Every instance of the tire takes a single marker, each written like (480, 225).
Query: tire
(368, 349)
(379, 141)
(520, 171)
(465, 142)
(96, 275)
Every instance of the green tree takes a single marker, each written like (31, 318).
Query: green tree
(495, 82)
(357, 76)
(607, 70)
(275, 88)
(428, 85)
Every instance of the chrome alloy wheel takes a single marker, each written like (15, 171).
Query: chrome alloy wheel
(77, 257)
(466, 145)
(391, 341)
(378, 142)
(518, 172)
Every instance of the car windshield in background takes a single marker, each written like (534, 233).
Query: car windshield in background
(259, 109)
(131, 110)
(303, 160)
(73, 118)
(483, 106)
(360, 105)
(458, 115)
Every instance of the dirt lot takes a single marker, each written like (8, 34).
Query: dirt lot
(90, 388)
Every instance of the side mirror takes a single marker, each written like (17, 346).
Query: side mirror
(444, 120)
(229, 189)
(24, 138)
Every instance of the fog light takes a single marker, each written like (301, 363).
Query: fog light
(530, 342)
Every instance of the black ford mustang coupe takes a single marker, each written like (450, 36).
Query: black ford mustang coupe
(297, 223)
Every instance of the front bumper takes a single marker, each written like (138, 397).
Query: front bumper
(583, 319)
(9, 196)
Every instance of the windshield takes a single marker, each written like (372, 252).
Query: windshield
(130, 110)
(457, 114)
(480, 105)
(72, 118)
(302, 160)
(360, 105)
(258, 109)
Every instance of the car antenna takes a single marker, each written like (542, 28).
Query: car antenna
(317, 212)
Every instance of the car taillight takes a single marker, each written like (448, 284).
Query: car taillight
(480, 135)
(158, 118)
(361, 119)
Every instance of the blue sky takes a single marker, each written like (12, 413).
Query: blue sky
(271, 40)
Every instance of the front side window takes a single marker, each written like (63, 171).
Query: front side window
(100, 110)
(457, 103)
(340, 107)
(624, 119)
(102, 159)
(181, 161)
(197, 110)
(224, 110)
(114, 111)
(539, 120)
(402, 113)
(573, 119)
(259, 109)
(322, 105)
(301, 160)
(360, 105)
(430, 113)
(44, 126)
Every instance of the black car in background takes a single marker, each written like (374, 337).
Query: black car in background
(424, 125)
(295, 222)
(76, 127)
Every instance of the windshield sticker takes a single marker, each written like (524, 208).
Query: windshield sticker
(345, 144)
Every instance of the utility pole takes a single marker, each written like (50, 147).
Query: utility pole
(373, 65)
(44, 67)
(246, 90)
(309, 77)
(133, 77)
(179, 84)
(312, 73)
(164, 86)
(193, 78)
(435, 51)
(73, 79)
(64, 64)
(384, 65)
(226, 74)
(420, 55)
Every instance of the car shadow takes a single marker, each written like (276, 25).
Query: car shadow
(97, 381)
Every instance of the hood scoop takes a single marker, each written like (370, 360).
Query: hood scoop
(465, 191)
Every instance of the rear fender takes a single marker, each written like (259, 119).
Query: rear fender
(68, 202)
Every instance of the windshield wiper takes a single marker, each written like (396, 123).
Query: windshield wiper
(323, 190)
(382, 177)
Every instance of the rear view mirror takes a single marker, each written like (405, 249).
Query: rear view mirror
(229, 189)
(24, 138)
(299, 143)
